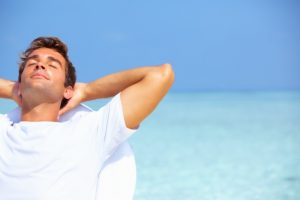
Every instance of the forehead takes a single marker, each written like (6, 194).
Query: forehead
(44, 53)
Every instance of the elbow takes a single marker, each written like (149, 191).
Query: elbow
(167, 74)
(163, 76)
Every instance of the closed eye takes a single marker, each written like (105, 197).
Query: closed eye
(31, 64)
(53, 66)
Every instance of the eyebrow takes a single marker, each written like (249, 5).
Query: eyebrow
(51, 58)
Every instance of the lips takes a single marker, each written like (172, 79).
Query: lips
(39, 75)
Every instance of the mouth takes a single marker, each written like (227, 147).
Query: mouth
(39, 76)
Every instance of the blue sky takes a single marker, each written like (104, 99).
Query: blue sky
(213, 45)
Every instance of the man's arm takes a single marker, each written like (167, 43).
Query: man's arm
(141, 98)
(9, 90)
(112, 84)
(142, 89)
(6, 89)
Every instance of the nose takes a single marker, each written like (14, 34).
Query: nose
(39, 66)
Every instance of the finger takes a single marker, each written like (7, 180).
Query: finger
(19, 101)
(65, 109)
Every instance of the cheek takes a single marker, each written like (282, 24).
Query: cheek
(58, 77)
(24, 74)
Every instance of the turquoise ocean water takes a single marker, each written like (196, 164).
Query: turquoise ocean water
(218, 146)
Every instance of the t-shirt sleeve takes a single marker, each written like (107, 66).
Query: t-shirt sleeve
(113, 129)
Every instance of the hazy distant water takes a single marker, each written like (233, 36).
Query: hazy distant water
(218, 146)
(222, 146)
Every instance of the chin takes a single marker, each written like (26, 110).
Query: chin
(35, 87)
(37, 82)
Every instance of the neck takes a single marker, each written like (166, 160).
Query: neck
(40, 112)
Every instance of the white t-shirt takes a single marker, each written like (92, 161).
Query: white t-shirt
(59, 160)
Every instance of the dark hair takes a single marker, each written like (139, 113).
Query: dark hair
(57, 45)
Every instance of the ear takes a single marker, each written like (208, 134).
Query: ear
(68, 93)
(17, 90)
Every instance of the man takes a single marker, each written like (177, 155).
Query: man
(41, 158)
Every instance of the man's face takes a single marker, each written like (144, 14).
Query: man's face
(44, 76)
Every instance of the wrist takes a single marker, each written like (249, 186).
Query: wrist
(83, 88)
